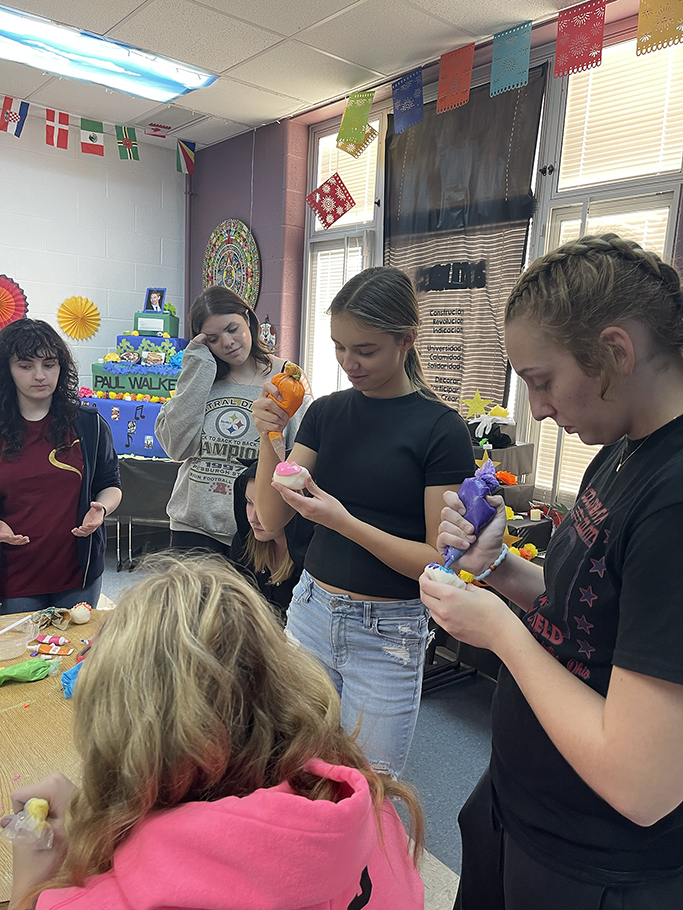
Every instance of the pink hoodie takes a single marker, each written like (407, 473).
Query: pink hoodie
(271, 850)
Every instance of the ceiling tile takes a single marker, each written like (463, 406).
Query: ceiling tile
(19, 81)
(303, 72)
(409, 36)
(208, 132)
(286, 18)
(228, 98)
(170, 115)
(83, 14)
(194, 34)
(92, 101)
(487, 17)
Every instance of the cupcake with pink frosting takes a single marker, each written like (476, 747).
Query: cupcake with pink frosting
(291, 475)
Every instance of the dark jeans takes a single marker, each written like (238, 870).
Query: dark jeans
(498, 875)
(192, 540)
(63, 599)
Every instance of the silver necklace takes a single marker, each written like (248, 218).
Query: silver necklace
(622, 460)
(253, 377)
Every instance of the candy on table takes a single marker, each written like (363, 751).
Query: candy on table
(80, 613)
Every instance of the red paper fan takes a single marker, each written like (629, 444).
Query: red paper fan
(13, 303)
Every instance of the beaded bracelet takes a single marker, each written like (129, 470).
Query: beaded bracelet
(487, 572)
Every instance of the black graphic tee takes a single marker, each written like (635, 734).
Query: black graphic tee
(611, 598)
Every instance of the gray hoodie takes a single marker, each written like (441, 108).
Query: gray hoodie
(208, 426)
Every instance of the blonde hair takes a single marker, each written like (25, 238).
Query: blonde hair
(577, 290)
(263, 554)
(191, 692)
(384, 299)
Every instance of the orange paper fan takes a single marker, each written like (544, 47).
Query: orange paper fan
(79, 318)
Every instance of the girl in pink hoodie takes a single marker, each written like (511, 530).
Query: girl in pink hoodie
(216, 774)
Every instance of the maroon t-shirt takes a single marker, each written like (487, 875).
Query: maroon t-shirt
(39, 492)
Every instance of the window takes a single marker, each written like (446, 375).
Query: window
(621, 129)
(350, 245)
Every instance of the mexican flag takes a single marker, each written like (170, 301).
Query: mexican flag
(92, 137)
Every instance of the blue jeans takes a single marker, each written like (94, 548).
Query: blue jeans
(63, 599)
(374, 653)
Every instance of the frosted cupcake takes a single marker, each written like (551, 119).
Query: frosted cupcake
(291, 475)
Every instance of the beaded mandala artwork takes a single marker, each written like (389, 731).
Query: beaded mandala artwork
(232, 260)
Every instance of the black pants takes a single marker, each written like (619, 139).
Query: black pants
(192, 540)
(498, 875)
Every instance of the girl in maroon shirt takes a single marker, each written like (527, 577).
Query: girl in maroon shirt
(43, 464)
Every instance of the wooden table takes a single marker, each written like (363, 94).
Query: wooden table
(37, 740)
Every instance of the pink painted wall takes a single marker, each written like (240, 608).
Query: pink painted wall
(275, 213)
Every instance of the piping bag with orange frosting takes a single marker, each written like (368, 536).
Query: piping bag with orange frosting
(291, 388)
(473, 492)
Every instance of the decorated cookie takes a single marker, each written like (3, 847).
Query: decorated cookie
(444, 576)
(291, 475)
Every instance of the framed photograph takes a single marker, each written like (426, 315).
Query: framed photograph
(154, 300)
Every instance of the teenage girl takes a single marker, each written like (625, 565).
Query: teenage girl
(382, 454)
(581, 805)
(59, 476)
(208, 424)
(215, 769)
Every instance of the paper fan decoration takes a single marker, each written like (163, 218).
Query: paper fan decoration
(13, 303)
(232, 260)
(79, 318)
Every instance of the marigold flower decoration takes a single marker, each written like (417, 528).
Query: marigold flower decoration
(506, 478)
(78, 318)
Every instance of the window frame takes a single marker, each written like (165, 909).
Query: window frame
(550, 197)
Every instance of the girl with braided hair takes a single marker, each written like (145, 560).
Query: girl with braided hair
(581, 806)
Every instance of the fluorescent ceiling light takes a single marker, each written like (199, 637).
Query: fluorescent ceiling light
(68, 52)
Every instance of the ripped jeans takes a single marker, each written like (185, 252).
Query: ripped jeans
(373, 651)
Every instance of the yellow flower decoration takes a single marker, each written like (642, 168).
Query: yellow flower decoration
(165, 335)
(531, 548)
(134, 332)
(497, 411)
(467, 577)
(514, 550)
(78, 318)
(509, 513)
(111, 358)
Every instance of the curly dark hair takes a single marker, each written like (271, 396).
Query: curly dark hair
(26, 339)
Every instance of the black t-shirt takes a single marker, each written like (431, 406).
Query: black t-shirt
(610, 599)
(376, 456)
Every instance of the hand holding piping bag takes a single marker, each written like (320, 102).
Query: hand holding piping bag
(292, 391)
(478, 511)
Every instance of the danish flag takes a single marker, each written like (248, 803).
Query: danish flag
(57, 128)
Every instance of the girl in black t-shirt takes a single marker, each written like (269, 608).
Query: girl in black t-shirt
(582, 806)
(382, 453)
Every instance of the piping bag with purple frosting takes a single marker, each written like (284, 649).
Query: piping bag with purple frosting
(473, 492)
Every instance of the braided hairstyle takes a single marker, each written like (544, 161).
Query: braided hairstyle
(580, 288)
(383, 299)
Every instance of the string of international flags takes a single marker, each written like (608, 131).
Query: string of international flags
(14, 113)
(580, 37)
